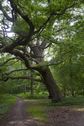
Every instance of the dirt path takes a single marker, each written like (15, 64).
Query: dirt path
(65, 116)
(18, 116)
(57, 116)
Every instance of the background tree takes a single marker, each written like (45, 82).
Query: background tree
(70, 72)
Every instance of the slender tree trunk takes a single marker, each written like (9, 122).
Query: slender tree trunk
(50, 83)
(31, 85)
(64, 91)
(72, 92)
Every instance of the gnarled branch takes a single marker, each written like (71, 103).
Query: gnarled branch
(5, 13)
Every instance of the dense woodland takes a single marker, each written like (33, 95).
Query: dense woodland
(42, 48)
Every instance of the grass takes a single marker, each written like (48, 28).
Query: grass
(6, 101)
(37, 109)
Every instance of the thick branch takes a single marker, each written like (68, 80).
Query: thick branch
(25, 17)
(22, 56)
(18, 41)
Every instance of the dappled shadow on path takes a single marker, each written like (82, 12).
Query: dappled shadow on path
(65, 116)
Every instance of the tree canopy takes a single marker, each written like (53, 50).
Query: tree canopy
(30, 31)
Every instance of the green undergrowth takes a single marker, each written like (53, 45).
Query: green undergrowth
(28, 96)
(6, 101)
(68, 101)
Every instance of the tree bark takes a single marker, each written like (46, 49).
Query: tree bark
(48, 80)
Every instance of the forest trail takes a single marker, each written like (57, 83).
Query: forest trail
(57, 116)
(18, 116)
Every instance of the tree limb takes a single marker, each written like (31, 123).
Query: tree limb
(22, 78)
(7, 61)
(16, 70)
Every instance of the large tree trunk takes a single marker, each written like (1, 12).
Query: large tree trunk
(46, 74)
(50, 83)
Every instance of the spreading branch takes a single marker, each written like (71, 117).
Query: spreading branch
(8, 60)
(16, 70)
(25, 78)
(6, 78)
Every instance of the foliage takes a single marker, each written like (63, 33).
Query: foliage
(35, 96)
(69, 72)
(6, 101)
(70, 101)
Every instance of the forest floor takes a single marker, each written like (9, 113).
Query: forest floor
(56, 116)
